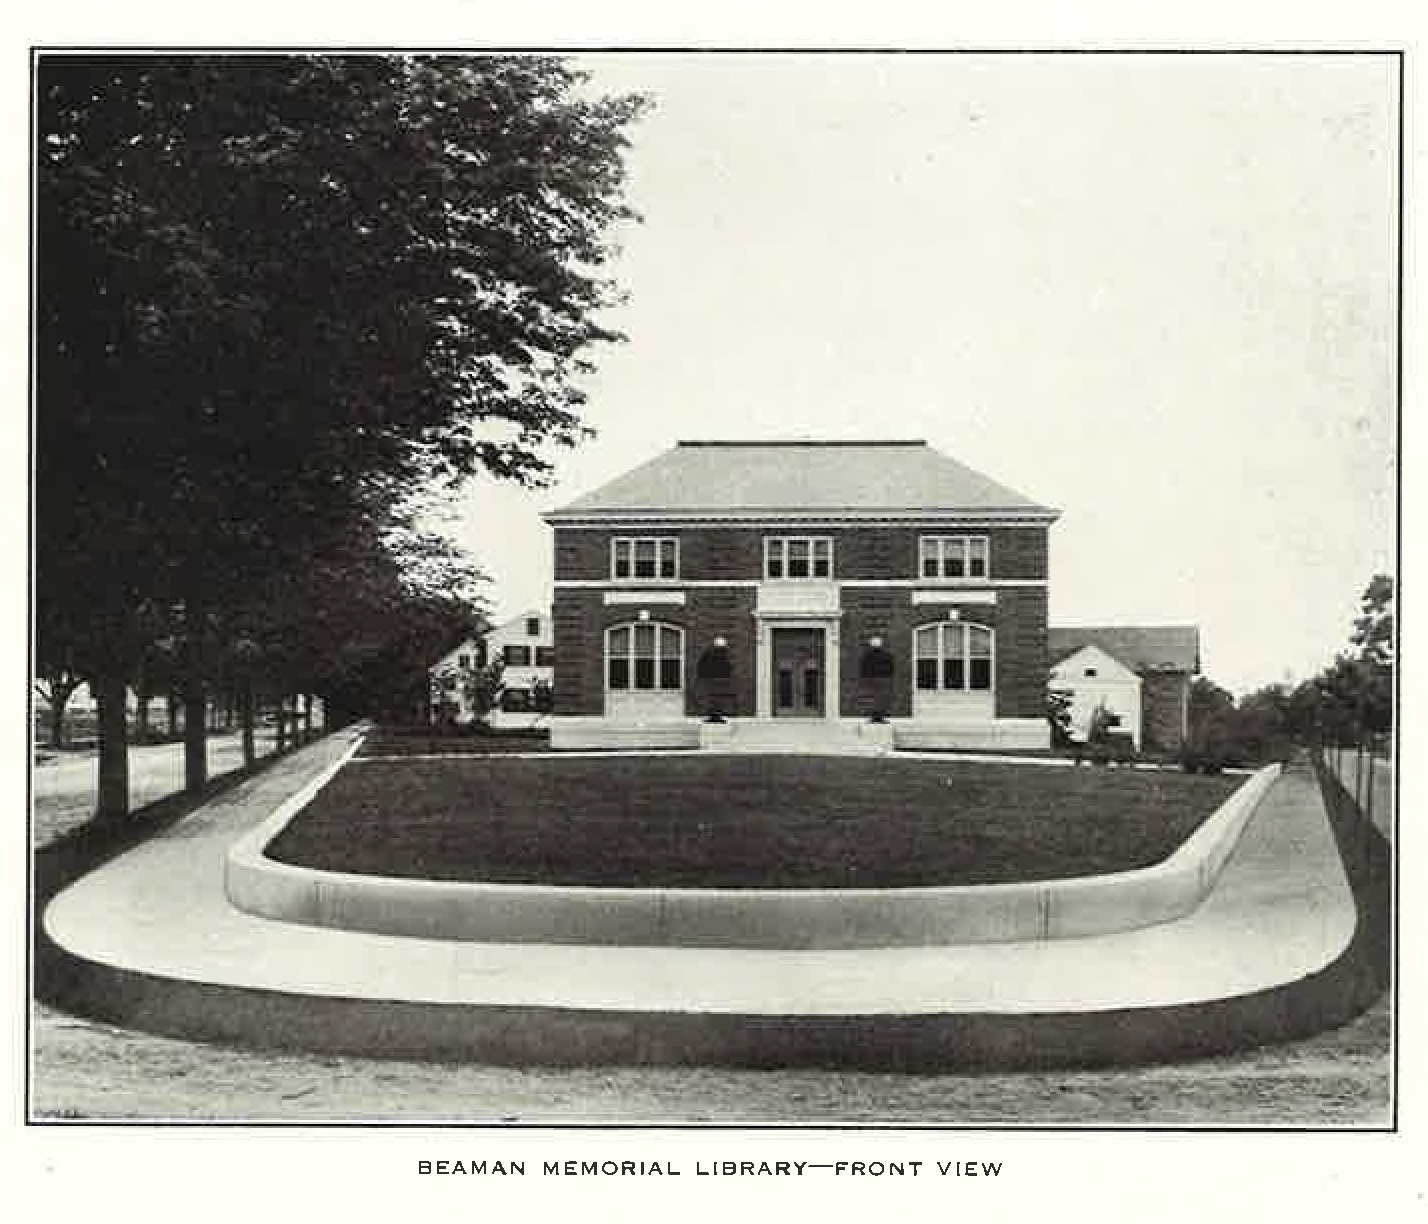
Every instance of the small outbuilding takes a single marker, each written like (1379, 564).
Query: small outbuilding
(1140, 674)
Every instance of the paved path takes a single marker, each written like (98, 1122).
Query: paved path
(66, 785)
(1281, 911)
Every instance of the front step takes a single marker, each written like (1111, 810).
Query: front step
(795, 736)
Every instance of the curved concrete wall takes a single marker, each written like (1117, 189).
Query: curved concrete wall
(735, 918)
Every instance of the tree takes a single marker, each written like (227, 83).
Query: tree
(1262, 725)
(482, 687)
(1207, 702)
(1373, 640)
(271, 293)
(56, 687)
(1058, 715)
(1373, 630)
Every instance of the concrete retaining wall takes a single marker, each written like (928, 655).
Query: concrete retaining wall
(1006, 734)
(736, 918)
(569, 732)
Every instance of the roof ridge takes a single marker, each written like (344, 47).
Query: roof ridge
(801, 442)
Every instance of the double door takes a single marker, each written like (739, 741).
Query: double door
(798, 673)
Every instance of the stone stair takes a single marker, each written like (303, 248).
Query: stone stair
(796, 736)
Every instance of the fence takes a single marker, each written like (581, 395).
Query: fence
(1366, 772)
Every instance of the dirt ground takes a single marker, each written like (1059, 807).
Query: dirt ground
(90, 1071)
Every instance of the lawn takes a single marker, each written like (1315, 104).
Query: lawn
(744, 822)
(416, 741)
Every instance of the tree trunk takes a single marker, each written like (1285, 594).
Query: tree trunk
(250, 754)
(195, 703)
(307, 715)
(171, 702)
(282, 724)
(109, 692)
(195, 736)
(141, 717)
(57, 721)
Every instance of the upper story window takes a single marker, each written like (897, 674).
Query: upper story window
(532, 626)
(463, 661)
(517, 656)
(545, 656)
(798, 557)
(954, 557)
(644, 557)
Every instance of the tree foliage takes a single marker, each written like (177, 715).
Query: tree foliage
(1347, 701)
(1058, 716)
(276, 294)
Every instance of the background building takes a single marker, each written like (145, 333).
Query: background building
(1142, 674)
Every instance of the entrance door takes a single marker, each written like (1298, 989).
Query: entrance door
(797, 673)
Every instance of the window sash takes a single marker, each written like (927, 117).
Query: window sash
(644, 657)
(644, 557)
(954, 556)
(953, 658)
(798, 557)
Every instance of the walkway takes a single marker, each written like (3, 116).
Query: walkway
(66, 784)
(1281, 912)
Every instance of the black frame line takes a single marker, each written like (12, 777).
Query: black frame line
(37, 50)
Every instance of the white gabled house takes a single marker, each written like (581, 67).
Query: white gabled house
(1142, 673)
(1092, 678)
(524, 644)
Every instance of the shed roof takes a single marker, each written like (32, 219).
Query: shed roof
(1140, 647)
(800, 476)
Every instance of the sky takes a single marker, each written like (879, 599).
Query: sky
(1157, 293)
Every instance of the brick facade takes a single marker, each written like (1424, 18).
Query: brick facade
(735, 554)
(1022, 666)
(1163, 698)
(582, 617)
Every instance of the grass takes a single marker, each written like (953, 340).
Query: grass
(419, 741)
(744, 822)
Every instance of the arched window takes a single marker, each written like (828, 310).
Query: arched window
(953, 657)
(645, 657)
